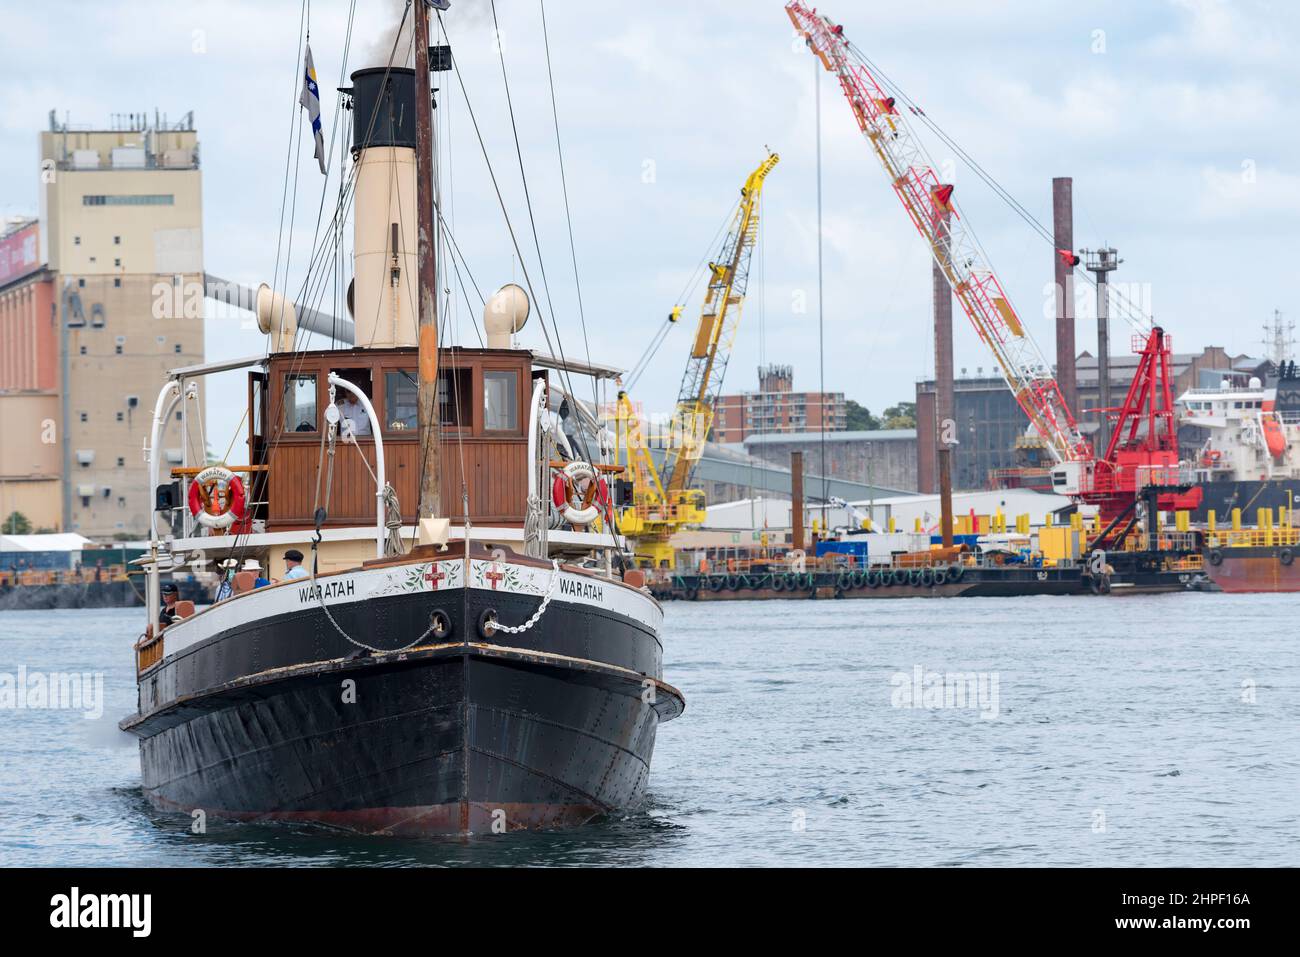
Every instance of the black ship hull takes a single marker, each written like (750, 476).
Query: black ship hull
(1249, 496)
(283, 719)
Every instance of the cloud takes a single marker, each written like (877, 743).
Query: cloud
(1154, 133)
(1250, 33)
(1242, 193)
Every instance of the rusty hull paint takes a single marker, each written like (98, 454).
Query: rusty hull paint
(1251, 570)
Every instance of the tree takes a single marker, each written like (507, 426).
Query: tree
(16, 524)
(859, 419)
(901, 416)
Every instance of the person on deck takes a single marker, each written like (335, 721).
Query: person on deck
(170, 595)
(254, 566)
(293, 565)
(355, 413)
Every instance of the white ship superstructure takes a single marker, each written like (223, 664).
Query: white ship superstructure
(1250, 438)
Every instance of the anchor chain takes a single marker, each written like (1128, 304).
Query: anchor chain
(541, 609)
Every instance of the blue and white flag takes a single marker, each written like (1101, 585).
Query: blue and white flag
(310, 101)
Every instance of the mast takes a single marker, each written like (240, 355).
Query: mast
(427, 273)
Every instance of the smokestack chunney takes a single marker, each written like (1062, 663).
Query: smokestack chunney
(1063, 218)
(944, 412)
(385, 225)
(796, 501)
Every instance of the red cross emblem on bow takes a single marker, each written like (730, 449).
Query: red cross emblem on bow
(433, 576)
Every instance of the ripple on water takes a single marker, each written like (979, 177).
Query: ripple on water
(1121, 738)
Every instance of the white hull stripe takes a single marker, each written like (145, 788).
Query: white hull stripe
(360, 586)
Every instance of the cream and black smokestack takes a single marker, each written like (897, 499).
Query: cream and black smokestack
(385, 292)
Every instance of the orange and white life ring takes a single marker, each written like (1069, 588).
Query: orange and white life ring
(217, 498)
(579, 505)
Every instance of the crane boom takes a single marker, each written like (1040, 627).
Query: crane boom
(719, 320)
(929, 205)
(663, 502)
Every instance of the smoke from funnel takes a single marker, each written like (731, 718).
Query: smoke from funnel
(397, 29)
(396, 36)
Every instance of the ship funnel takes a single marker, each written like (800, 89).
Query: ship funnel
(504, 315)
(384, 298)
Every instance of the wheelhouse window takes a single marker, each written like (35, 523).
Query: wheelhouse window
(300, 403)
(402, 398)
(257, 398)
(349, 405)
(500, 401)
(454, 396)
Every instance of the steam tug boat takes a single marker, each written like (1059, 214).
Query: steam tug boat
(485, 663)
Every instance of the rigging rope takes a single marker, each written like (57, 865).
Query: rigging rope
(288, 156)
(564, 181)
(337, 223)
(532, 221)
(514, 240)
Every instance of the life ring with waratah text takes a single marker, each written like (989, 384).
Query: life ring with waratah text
(580, 507)
(217, 498)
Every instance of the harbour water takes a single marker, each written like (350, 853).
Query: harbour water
(1074, 731)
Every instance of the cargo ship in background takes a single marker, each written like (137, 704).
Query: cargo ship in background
(1249, 472)
(452, 640)
(1251, 457)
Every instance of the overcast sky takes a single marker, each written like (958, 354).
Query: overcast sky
(1178, 120)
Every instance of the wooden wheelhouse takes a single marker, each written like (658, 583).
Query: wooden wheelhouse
(483, 402)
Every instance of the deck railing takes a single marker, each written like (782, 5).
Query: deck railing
(1253, 538)
(148, 651)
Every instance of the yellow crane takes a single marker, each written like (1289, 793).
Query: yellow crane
(663, 500)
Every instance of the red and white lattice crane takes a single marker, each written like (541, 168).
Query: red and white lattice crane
(1136, 456)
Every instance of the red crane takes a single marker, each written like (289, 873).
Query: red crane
(1143, 449)
(1144, 446)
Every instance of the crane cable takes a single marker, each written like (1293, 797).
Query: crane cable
(692, 283)
(1137, 318)
(661, 334)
